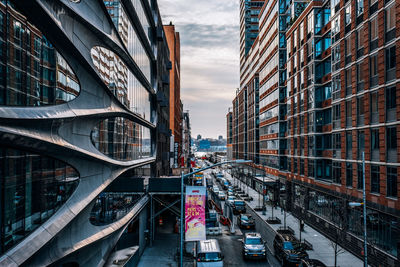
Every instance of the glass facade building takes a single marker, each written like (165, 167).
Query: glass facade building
(78, 109)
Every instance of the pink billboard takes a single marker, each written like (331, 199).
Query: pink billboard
(195, 213)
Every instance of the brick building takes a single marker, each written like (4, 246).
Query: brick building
(328, 94)
(175, 104)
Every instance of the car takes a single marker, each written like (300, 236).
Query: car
(238, 206)
(288, 250)
(246, 221)
(221, 195)
(230, 192)
(215, 188)
(253, 246)
(208, 253)
(311, 263)
(229, 200)
(225, 184)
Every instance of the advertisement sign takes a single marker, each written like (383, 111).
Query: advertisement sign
(195, 213)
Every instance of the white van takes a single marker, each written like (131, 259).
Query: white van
(208, 254)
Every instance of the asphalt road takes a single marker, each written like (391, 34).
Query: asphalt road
(232, 247)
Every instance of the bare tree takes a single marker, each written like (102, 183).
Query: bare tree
(340, 231)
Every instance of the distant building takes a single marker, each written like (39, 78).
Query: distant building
(198, 137)
(229, 134)
(186, 140)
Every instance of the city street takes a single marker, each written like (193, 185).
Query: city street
(231, 245)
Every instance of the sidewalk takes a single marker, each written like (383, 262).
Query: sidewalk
(323, 249)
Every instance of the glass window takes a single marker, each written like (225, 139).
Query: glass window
(348, 14)
(360, 143)
(360, 38)
(391, 179)
(391, 138)
(310, 23)
(375, 178)
(336, 172)
(348, 46)
(374, 65)
(349, 145)
(31, 73)
(121, 81)
(33, 187)
(390, 15)
(374, 28)
(336, 25)
(390, 58)
(390, 98)
(360, 7)
(374, 139)
(301, 31)
(374, 102)
(348, 80)
(122, 139)
(311, 168)
(349, 174)
(359, 176)
(360, 72)
(128, 34)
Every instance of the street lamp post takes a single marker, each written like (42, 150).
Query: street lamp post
(183, 176)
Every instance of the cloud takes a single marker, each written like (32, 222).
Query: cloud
(209, 34)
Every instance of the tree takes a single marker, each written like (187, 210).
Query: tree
(338, 211)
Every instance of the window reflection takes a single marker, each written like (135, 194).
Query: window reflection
(32, 72)
(122, 139)
(128, 34)
(112, 206)
(33, 188)
(124, 85)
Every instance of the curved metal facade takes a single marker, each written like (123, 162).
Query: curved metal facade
(64, 131)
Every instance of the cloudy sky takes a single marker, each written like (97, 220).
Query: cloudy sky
(209, 32)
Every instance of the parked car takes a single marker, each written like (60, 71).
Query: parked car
(216, 189)
(221, 195)
(229, 200)
(230, 192)
(225, 184)
(208, 254)
(246, 221)
(238, 206)
(253, 246)
(288, 250)
(311, 263)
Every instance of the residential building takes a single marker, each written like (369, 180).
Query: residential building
(328, 96)
(77, 125)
